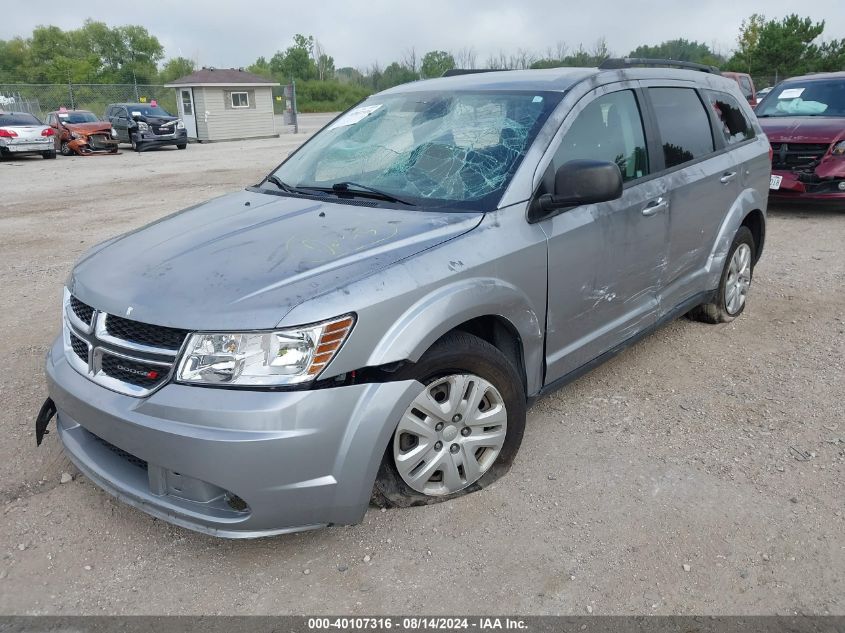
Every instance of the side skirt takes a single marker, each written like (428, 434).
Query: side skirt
(680, 309)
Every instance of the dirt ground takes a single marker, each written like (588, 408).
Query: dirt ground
(700, 471)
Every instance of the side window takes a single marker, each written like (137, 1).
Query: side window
(683, 124)
(733, 123)
(609, 129)
(745, 84)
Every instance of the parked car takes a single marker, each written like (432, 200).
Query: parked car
(763, 92)
(746, 86)
(81, 132)
(804, 118)
(22, 133)
(146, 125)
(372, 319)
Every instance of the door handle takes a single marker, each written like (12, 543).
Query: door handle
(727, 177)
(656, 206)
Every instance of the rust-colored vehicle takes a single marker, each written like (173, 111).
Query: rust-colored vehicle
(81, 132)
(746, 86)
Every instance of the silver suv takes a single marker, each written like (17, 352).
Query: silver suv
(370, 322)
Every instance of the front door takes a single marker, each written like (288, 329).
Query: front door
(186, 110)
(606, 260)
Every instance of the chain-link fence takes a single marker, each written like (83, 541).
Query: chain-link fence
(42, 98)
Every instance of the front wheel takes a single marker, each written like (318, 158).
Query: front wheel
(182, 146)
(734, 284)
(136, 146)
(463, 429)
(66, 150)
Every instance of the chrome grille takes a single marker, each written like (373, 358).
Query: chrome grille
(126, 356)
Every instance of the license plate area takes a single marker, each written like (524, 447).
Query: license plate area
(774, 182)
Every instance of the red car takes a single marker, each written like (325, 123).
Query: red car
(804, 118)
(746, 86)
(81, 132)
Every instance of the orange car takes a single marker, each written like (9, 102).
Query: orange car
(81, 132)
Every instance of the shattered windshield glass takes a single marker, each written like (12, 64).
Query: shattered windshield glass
(457, 149)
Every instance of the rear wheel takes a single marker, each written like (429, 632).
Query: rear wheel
(734, 284)
(49, 154)
(463, 429)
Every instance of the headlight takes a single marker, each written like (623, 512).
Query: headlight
(180, 125)
(839, 149)
(143, 127)
(284, 357)
(113, 133)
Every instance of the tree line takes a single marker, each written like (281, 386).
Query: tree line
(98, 53)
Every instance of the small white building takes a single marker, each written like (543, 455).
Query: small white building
(224, 104)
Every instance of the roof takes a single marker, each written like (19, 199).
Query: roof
(820, 76)
(221, 77)
(550, 79)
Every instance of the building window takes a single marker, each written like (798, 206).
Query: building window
(240, 99)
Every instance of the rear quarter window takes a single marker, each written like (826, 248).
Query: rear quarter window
(683, 124)
(733, 123)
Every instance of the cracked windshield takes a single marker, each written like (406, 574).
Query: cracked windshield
(457, 150)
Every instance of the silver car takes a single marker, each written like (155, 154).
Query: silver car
(22, 133)
(370, 322)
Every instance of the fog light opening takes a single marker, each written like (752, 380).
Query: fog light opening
(842, 186)
(236, 503)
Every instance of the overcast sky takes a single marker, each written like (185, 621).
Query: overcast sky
(224, 33)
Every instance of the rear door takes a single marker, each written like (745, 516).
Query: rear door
(604, 260)
(702, 176)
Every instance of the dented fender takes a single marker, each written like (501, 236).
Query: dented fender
(748, 200)
(435, 314)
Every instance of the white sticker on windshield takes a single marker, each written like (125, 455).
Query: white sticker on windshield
(537, 99)
(791, 93)
(353, 116)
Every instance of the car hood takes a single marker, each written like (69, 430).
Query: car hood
(158, 120)
(803, 129)
(89, 128)
(243, 261)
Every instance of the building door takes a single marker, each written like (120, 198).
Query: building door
(186, 109)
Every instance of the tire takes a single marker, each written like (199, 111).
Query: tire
(722, 309)
(65, 150)
(456, 357)
(136, 146)
(182, 146)
(49, 154)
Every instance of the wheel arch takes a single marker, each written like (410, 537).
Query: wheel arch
(489, 308)
(756, 223)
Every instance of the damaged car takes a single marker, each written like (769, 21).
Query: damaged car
(82, 133)
(804, 119)
(370, 321)
(146, 125)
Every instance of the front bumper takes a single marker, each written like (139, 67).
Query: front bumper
(792, 188)
(232, 463)
(150, 139)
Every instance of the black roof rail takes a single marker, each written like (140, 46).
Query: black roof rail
(454, 72)
(615, 63)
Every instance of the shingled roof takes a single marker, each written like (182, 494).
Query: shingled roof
(221, 77)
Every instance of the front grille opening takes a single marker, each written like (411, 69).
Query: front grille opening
(82, 311)
(80, 347)
(796, 156)
(133, 372)
(144, 333)
(128, 457)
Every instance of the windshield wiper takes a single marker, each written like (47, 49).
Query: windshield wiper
(283, 185)
(364, 190)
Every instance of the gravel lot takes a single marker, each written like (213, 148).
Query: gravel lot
(699, 472)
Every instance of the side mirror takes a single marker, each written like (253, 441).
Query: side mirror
(581, 182)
